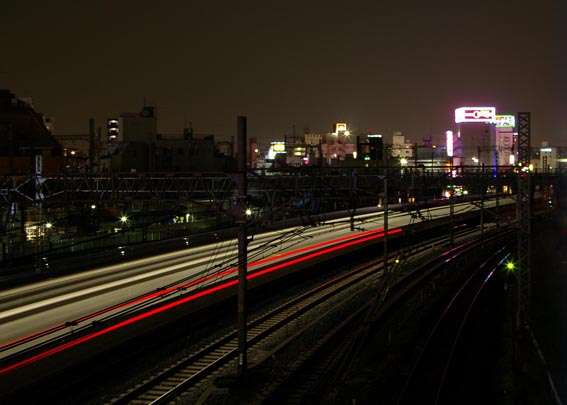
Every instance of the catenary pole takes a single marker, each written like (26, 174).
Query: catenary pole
(242, 246)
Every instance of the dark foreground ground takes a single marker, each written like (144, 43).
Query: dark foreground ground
(494, 362)
(549, 296)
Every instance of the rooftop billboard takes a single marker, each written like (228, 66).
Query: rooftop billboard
(475, 114)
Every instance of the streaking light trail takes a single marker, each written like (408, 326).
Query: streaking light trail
(166, 291)
(358, 238)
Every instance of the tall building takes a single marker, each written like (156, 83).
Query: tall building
(338, 145)
(483, 138)
(371, 150)
(27, 146)
(137, 147)
(505, 139)
(138, 127)
(402, 148)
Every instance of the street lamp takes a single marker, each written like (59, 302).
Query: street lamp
(403, 163)
(46, 236)
(123, 222)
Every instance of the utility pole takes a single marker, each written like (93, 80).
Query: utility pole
(242, 246)
(91, 146)
(452, 204)
(385, 266)
(352, 198)
(385, 269)
(482, 201)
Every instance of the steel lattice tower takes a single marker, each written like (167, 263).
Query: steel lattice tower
(524, 220)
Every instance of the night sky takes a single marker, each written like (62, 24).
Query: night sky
(379, 65)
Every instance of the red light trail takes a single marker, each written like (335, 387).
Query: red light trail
(370, 235)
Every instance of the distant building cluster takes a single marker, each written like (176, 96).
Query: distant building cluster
(134, 145)
(29, 144)
(482, 144)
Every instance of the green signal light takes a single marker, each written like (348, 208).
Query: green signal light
(510, 266)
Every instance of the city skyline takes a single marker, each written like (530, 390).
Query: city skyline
(379, 68)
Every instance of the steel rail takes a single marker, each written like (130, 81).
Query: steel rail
(185, 373)
(372, 314)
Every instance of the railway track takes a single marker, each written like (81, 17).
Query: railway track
(337, 360)
(426, 380)
(188, 372)
(344, 297)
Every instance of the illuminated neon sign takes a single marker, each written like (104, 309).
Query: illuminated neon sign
(449, 135)
(505, 121)
(278, 147)
(475, 114)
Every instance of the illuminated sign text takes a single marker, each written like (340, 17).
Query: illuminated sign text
(505, 121)
(475, 114)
